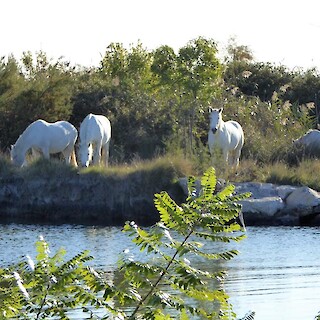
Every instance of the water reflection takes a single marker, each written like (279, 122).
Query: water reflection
(276, 274)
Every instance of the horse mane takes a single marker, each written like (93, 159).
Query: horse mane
(83, 134)
(84, 125)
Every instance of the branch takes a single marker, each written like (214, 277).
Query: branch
(162, 274)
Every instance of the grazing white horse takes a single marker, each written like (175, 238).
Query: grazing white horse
(46, 138)
(225, 138)
(309, 143)
(95, 136)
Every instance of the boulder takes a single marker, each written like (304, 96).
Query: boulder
(303, 200)
(265, 207)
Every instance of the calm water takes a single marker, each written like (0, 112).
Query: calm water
(277, 273)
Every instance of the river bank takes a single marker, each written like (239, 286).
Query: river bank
(108, 200)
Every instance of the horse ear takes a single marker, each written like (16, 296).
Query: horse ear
(210, 109)
(220, 110)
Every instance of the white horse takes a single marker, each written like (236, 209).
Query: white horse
(225, 138)
(309, 143)
(95, 135)
(46, 138)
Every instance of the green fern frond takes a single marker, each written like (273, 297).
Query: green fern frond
(226, 192)
(191, 184)
(208, 183)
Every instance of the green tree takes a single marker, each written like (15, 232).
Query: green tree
(37, 88)
(164, 66)
(238, 52)
(139, 118)
(176, 240)
(257, 79)
(49, 288)
(192, 79)
(12, 83)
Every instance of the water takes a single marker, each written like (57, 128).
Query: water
(277, 273)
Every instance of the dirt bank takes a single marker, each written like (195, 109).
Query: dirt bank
(84, 199)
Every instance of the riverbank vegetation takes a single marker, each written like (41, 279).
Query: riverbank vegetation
(157, 102)
(167, 169)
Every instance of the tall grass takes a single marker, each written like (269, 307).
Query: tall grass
(165, 169)
(146, 174)
(305, 173)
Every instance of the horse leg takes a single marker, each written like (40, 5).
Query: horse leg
(69, 155)
(35, 153)
(237, 156)
(45, 153)
(225, 156)
(106, 153)
(74, 158)
(97, 153)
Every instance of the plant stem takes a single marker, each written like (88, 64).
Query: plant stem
(43, 302)
(161, 276)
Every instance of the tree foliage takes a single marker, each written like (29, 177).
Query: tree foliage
(157, 100)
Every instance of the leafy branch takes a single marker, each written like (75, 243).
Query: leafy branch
(204, 215)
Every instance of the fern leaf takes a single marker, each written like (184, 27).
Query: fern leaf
(191, 186)
(226, 192)
(208, 183)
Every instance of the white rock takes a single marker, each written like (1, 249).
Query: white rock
(258, 190)
(266, 206)
(303, 200)
(285, 190)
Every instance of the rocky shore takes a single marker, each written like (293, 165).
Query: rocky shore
(280, 205)
(95, 200)
(272, 204)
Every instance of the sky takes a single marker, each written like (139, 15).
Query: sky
(281, 32)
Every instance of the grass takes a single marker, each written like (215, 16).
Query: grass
(305, 173)
(177, 165)
(147, 175)
(53, 169)
(164, 170)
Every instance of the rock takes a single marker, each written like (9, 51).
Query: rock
(265, 206)
(303, 198)
(277, 205)
(257, 189)
(285, 190)
(284, 205)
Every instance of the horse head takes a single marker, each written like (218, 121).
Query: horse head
(16, 156)
(85, 154)
(215, 119)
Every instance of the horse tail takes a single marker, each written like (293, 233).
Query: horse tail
(74, 159)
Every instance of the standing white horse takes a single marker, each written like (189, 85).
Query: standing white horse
(95, 135)
(46, 138)
(225, 138)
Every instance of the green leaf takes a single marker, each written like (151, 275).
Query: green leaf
(208, 183)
